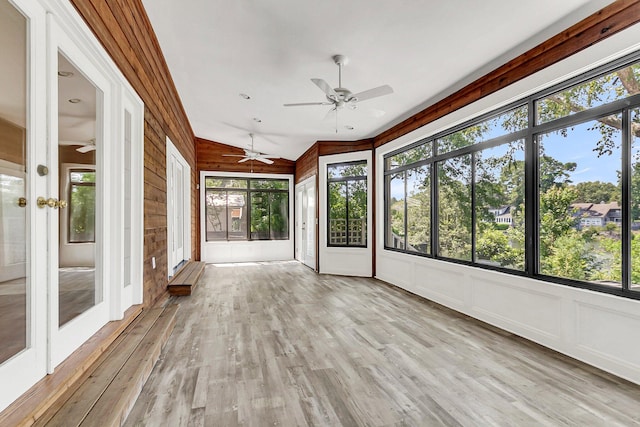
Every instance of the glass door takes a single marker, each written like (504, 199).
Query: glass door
(79, 95)
(23, 239)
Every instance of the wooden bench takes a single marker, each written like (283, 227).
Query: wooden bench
(186, 279)
(108, 394)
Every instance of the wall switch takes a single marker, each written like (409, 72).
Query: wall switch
(153, 262)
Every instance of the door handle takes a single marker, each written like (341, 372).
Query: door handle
(22, 202)
(51, 202)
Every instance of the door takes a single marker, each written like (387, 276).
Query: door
(23, 227)
(178, 208)
(306, 222)
(79, 93)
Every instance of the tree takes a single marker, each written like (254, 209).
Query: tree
(596, 192)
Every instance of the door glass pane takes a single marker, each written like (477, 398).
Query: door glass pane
(78, 105)
(14, 280)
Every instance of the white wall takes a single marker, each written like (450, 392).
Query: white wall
(600, 329)
(245, 251)
(344, 261)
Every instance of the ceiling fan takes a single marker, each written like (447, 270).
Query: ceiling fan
(340, 97)
(84, 146)
(253, 155)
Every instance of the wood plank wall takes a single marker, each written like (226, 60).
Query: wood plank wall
(307, 164)
(210, 155)
(123, 28)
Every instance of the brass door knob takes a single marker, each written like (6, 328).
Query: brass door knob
(51, 202)
(62, 204)
(22, 202)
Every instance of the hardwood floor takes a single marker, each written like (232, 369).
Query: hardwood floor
(276, 344)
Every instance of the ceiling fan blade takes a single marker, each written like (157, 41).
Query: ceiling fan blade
(233, 155)
(373, 93)
(263, 160)
(244, 160)
(269, 156)
(307, 103)
(324, 86)
(331, 113)
(86, 148)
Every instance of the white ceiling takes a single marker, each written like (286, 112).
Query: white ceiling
(270, 49)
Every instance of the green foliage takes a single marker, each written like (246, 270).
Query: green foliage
(82, 212)
(596, 192)
(569, 257)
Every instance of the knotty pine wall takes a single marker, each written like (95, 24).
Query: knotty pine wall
(123, 28)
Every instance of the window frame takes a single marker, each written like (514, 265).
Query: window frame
(346, 180)
(625, 107)
(249, 191)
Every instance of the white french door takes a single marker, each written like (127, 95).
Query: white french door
(306, 222)
(70, 141)
(178, 208)
(24, 265)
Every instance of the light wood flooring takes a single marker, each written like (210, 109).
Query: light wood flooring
(275, 344)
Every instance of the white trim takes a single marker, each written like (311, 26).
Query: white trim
(348, 261)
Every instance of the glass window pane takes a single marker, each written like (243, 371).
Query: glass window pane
(635, 200)
(237, 215)
(269, 184)
(260, 216)
(217, 182)
(82, 216)
(279, 219)
(337, 213)
(357, 211)
(580, 214)
(599, 91)
(421, 152)
(216, 215)
(395, 205)
(454, 208)
(347, 170)
(419, 209)
(499, 204)
(82, 176)
(502, 124)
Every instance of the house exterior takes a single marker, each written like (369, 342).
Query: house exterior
(502, 215)
(597, 214)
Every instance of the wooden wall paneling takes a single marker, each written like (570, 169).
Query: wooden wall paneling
(602, 24)
(210, 158)
(341, 147)
(123, 28)
(307, 164)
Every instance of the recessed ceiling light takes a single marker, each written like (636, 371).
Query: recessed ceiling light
(65, 73)
(245, 96)
(74, 100)
(349, 127)
(257, 120)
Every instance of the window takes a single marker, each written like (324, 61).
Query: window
(246, 209)
(547, 187)
(347, 204)
(82, 206)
